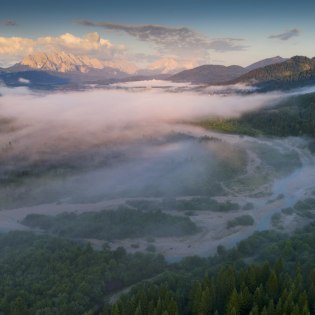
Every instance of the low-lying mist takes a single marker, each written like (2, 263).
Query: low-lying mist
(61, 122)
(116, 143)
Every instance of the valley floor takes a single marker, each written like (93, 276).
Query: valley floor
(268, 200)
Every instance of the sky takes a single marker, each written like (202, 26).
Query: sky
(190, 31)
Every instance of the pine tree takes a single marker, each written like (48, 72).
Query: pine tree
(272, 285)
(18, 307)
(205, 302)
(251, 279)
(115, 310)
(295, 311)
(271, 308)
(172, 307)
(139, 310)
(105, 310)
(246, 301)
(279, 307)
(233, 305)
(279, 266)
(195, 297)
(258, 297)
(264, 311)
(305, 310)
(254, 311)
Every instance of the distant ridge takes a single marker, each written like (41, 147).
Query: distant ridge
(218, 74)
(265, 62)
(297, 70)
(208, 74)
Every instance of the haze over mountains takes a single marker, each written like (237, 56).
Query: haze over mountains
(60, 61)
(169, 66)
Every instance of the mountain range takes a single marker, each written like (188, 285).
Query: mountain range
(44, 69)
(269, 74)
(63, 62)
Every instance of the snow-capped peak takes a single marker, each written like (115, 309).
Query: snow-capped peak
(61, 61)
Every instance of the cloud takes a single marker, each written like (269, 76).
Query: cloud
(8, 23)
(12, 49)
(227, 44)
(286, 35)
(15, 45)
(89, 43)
(144, 58)
(158, 34)
(174, 41)
(24, 81)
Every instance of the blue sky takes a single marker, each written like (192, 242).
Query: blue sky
(226, 32)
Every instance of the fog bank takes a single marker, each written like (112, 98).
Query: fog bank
(119, 143)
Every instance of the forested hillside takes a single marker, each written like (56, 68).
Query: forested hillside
(279, 280)
(45, 275)
(269, 273)
(296, 71)
(294, 116)
(208, 74)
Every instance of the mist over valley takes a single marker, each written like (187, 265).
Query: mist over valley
(143, 149)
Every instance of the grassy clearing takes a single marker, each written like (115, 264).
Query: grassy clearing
(113, 224)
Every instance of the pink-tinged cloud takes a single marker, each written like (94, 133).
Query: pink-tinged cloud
(12, 49)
